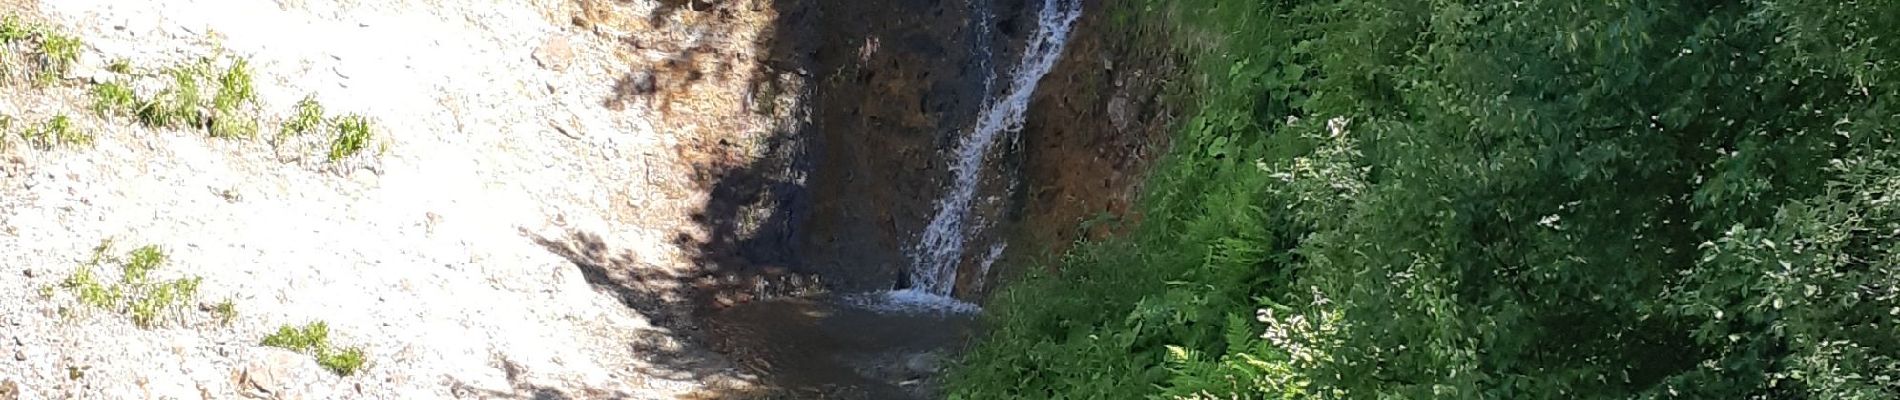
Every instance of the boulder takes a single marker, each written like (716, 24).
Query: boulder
(555, 53)
(276, 374)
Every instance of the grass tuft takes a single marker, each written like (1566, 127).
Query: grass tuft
(228, 126)
(235, 90)
(120, 66)
(114, 99)
(13, 30)
(353, 133)
(309, 338)
(235, 86)
(226, 311)
(345, 362)
(178, 104)
(182, 103)
(138, 268)
(86, 286)
(314, 339)
(6, 125)
(56, 132)
(59, 52)
(308, 119)
(149, 304)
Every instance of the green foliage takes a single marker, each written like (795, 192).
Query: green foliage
(182, 103)
(163, 299)
(13, 30)
(348, 134)
(234, 86)
(120, 66)
(231, 125)
(1419, 199)
(309, 118)
(50, 53)
(309, 338)
(59, 52)
(113, 98)
(234, 91)
(226, 311)
(314, 339)
(87, 288)
(149, 303)
(177, 104)
(6, 129)
(140, 263)
(352, 134)
(55, 132)
(343, 362)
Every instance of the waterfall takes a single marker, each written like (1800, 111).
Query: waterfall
(936, 255)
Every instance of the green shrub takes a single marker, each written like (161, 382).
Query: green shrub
(314, 339)
(307, 119)
(120, 66)
(160, 300)
(234, 87)
(57, 131)
(147, 302)
(1428, 200)
(87, 288)
(226, 311)
(344, 362)
(58, 53)
(113, 98)
(6, 129)
(234, 91)
(140, 263)
(230, 126)
(353, 133)
(178, 104)
(309, 338)
(12, 30)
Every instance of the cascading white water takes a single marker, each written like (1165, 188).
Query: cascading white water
(934, 259)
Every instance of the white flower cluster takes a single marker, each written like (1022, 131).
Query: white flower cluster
(1305, 340)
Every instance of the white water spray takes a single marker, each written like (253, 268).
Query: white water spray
(935, 258)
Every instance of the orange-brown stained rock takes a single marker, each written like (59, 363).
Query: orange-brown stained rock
(1096, 127)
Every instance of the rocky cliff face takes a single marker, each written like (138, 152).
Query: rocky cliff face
(1097, 125)
(899, 80)
(902, 81)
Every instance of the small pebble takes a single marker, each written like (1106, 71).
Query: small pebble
(19, 355)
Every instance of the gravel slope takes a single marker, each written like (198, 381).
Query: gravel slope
(423, 253)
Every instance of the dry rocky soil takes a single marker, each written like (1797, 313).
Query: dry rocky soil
(529, 163)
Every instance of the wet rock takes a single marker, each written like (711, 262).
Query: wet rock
(1118, 113)
(555, 53)
(923, 364)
